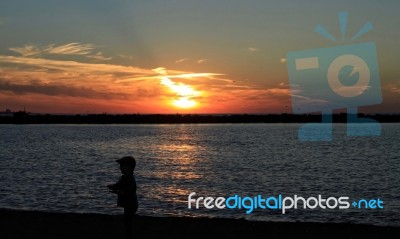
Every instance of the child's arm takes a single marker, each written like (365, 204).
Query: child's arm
(116, 188)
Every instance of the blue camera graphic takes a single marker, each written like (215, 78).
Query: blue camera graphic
(322, 80)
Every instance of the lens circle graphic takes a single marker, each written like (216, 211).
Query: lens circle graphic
(359, 66)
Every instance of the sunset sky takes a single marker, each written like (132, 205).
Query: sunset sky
(176, 56)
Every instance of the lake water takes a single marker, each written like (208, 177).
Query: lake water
(67, 167)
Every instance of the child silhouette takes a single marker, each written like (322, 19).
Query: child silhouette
(126, 190)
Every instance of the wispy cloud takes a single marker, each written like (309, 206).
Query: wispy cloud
(125, 56)
(99, 56)
(393, 87)
(53, 89)
(181, 60)
(252, 49)
(193, 75)
(74, 48)
(307, 101)
(26, 50)
(201, 61)
(395, 90)
(69, 49)
(283, 84)
(66, 49)
(74, 66)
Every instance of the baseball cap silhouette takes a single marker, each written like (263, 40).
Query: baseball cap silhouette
(129, 160)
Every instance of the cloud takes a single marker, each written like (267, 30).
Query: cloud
(52, 49)
(181, 60)
(253, 49)
(179, 88)
(283, 84)
(24, 76)
(160, 70)
(277, 91)
(99, 56)
(307, 101)
(57, 90)
(27, 50)
(69, 49)
(193, 75)
(201, 61)
(395, 89)
(125, 56)
(74, 66)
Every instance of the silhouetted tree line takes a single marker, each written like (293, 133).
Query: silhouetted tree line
(26, 118)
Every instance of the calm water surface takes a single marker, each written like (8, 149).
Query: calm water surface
(66, 168)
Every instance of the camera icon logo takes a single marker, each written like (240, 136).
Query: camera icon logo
(346, 76)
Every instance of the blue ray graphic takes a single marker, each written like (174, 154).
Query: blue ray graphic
(321, 30)
(343, 23)
(364, 29)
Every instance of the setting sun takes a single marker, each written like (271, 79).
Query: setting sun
(184, 93)
(184, 103)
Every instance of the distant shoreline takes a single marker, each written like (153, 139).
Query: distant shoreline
(29, 118)
(32, 224)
